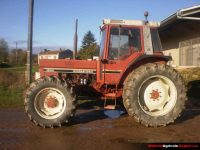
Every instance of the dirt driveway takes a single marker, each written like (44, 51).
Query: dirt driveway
(93, 130)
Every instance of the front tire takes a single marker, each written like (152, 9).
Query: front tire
(154, 94)
(50, 102)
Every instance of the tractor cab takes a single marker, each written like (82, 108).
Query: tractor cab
(123, 38)
(123, 43)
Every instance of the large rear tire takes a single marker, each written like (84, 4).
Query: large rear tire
(50, 102)
(154, 94)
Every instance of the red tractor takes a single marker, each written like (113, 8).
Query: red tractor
(131, 66)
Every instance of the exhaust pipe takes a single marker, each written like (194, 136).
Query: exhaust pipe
(75, 40)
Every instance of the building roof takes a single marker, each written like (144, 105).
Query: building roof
(50, 52)
(190, 13)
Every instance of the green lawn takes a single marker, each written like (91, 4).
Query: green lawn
(11, 95)
(20, 69)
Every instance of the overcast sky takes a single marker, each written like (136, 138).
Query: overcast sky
(54, 19)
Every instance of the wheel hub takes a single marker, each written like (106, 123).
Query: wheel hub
(155, 95)
(51, 102)
(158, 95)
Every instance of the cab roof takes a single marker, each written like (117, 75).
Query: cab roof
(129, 22)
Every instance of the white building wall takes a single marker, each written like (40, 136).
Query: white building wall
(174, 53)
(47, 56)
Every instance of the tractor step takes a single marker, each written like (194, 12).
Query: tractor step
(112, 107)
(112, 96)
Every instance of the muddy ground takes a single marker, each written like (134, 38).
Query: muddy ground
(93, 130)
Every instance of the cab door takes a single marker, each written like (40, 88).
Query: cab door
(124, 45)
(100, 75)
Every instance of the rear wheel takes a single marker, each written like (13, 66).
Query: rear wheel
(154, 94)
(50, 102)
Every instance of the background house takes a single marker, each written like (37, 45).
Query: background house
(55, 54)
(180, 37)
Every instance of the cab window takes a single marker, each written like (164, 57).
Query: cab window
(102, 43)
(155, 40)
(123, 42)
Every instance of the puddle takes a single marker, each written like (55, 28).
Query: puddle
(114, 114)
(17, 130)
(85, 128)
(81, 128)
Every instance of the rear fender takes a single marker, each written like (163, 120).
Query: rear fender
(144, 59)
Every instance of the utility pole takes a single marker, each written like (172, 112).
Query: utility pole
(30, 42)
(16, 53)
(75, 39)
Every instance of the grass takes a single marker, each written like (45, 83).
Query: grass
(12, 86)
(190, 74)
(19, 69)
(11, 97)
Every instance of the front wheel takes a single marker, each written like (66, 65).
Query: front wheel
(154, 94)
(50, 102)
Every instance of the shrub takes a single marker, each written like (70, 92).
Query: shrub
(4, 65)
(12, 85)
(8, 79)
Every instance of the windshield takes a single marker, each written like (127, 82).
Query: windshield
(102, 43)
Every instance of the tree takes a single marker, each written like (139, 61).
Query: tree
(89, 47)
(35, 58)
(17, 57)
(3, 51)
